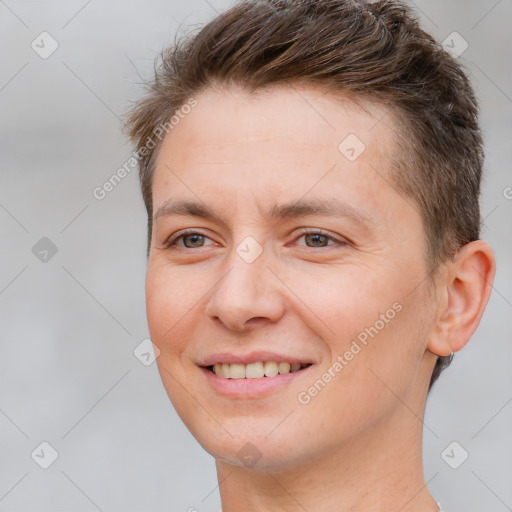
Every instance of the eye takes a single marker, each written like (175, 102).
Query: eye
(191, 240)
(319, 239)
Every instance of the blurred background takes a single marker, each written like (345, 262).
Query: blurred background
(85, 423)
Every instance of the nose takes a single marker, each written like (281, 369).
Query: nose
(248, 295)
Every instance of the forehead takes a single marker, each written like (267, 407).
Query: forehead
(227, 118)
(279, 142)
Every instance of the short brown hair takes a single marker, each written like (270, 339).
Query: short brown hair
(373, 50)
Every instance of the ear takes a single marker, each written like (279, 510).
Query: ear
(464, 291)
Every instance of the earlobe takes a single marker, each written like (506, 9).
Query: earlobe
(466, 289)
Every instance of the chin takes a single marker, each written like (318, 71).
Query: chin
(253, 449)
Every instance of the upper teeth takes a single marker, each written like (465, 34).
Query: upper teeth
(255, 370)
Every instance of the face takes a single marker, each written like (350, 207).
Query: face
(278, 243)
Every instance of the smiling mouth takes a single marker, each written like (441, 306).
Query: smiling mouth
(256, 370)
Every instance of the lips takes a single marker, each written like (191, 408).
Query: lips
(253, 375)
(256, 387)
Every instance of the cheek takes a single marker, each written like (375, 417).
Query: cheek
(166, 304)
(365, 381)
(343, 301)
(393, 343)
(159, 302)
(169, 309)
(369, 319)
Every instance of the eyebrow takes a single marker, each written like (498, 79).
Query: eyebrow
(300, 208)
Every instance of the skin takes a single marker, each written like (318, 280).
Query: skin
(356, 445)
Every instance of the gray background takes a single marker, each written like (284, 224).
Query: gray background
(68, 326)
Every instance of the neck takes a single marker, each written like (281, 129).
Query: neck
(379, 470)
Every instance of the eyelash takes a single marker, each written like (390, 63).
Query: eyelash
(173, 239)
